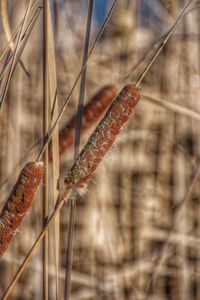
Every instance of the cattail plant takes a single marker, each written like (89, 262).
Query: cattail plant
(103, 137)
(91, 114)
(19, 202)
(90, 157)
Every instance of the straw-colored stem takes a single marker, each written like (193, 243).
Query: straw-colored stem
(69, 254)
(5, 89)
(173, 107)
(161, 46)
(45, 157)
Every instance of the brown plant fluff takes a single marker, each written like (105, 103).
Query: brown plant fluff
(91, 114)
(19, 202)
(103, 137)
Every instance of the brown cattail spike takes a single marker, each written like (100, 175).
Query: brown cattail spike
(19, 202)
(91, 114)
(103, 137)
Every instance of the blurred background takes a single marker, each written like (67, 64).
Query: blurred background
(137, 229)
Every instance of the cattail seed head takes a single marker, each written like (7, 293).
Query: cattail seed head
(91, 114)
(103, 137)
(19, 202)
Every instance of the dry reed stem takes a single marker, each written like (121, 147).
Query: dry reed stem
(7, 29)
(174, 107)
(14, 34)
(26, 34)
(163, 43)
(177, 208)
(19, 202)
(6, 23)
(46, 61)
(72, 209)
(52, 74)
(91, 114)
(15, 53)
(103, 137)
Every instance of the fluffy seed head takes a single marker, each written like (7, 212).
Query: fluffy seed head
(103, 137)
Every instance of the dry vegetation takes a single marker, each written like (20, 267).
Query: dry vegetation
(137, 225)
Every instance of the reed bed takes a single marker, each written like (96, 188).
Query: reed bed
(136, 226)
